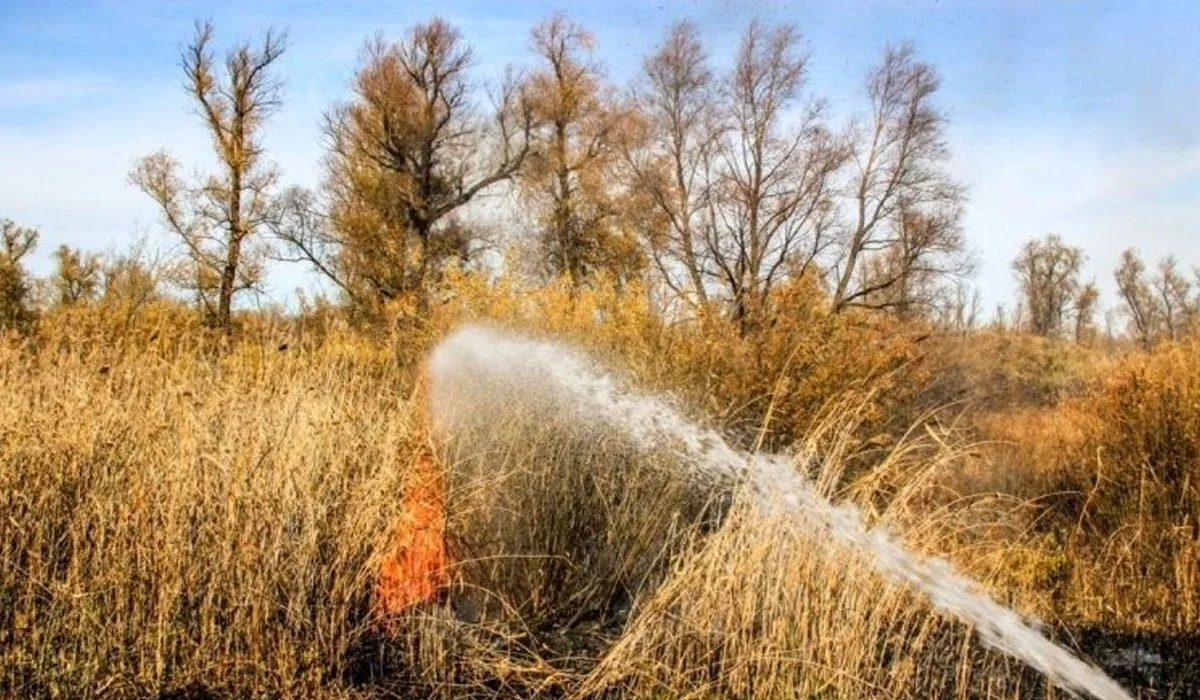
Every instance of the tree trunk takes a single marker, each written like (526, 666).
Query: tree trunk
(562, 215)
(233, 254)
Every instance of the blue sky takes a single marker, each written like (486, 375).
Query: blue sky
(1078, 118)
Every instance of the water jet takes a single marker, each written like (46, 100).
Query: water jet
(478, 374)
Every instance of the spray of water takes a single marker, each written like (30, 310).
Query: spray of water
(478, 362)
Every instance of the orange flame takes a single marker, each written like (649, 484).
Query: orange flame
(417, 569)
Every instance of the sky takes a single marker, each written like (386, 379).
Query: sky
(1068, 117)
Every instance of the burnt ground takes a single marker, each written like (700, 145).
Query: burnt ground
(1149, 666)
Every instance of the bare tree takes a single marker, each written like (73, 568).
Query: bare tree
(570, 181)
(770, 211)
(1048, 273)
(1140, 302)
(671, 163)
(406, 153)
(1174, 291)
(16, 243)
(1000, 316)
(1084, 310)
(909, 275)
(304, 226)
(959, 310)
(131, 282)
(217, 218)
(77, 276)
(1158, 308)
(899, 181)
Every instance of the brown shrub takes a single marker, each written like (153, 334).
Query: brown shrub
(1112, 476)
(1129, 480)
(1002, 371)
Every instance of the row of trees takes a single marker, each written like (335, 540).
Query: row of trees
(130, 280)
(1156, 305)
(1159, 305)
(1163, 305)
(715, 186)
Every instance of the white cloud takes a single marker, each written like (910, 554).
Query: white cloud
(1074, 183)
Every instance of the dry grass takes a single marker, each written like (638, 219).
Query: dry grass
(768, 608)
(178, 520)
(180, 515)
(1116, 472)
(170, 522)
(186, 521)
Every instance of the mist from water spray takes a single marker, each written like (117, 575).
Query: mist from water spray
(477, 368)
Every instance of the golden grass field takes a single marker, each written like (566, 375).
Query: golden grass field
(182, 519)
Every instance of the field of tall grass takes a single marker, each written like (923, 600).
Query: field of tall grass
(189, 517)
